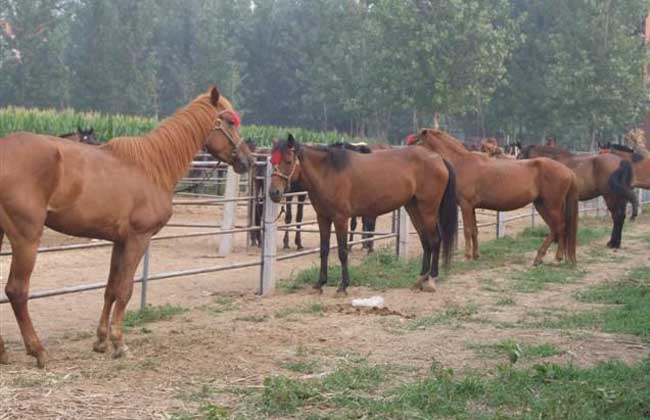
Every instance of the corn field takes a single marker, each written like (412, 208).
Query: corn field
(53, 122)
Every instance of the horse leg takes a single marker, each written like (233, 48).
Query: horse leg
(325, 229)
(341, 227)
(369, 226)
(416, 219)
(130, 256)
(475, 251)
(468, 225)
(287, 220)
(101, 345)
(549, 220)
(17, 290)
(429, 218)
(353, 227)
(301, 204)
(618, 219)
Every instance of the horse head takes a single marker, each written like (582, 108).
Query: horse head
(224, 141)
(284, 158)
(87, 136)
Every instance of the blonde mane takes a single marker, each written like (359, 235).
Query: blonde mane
(166, 153)
(449, 141)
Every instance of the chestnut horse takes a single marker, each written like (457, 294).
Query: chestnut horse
(640, 163)
(342, 184)
(501, 184)
(598, 175)
(295, 186)
(121, 192)
(82, 136)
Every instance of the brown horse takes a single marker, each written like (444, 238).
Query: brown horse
(121, 192)
(82, 136)
(640, 163)
(603, 175)
(499, 184)
(342, 184)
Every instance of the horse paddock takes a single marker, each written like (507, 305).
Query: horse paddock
(225, 340)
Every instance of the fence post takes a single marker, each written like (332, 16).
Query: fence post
(229, 212)
(501, 227)
(145, 277)
(402, 234)
(640, 191)
(269, 246)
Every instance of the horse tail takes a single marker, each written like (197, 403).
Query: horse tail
(571, 211)
(448, 216)
(620, 183)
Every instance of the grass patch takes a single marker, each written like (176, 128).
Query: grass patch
(152, 314)
(631, 315)
(611, 390)
(301, 366)
(220, 305)
(315, 308)
(515, 351)
(506, 301)
(536, 278)
(382, 270)
(453, 314)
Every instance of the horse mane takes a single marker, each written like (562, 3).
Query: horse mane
(620, 147)
(548, 151)
(166, 152)
(448, 139)
(337, 153)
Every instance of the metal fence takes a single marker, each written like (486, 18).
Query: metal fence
(268, 259)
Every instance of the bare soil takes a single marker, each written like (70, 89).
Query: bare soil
(232, 338)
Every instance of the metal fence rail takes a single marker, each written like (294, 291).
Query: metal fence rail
(269, 258)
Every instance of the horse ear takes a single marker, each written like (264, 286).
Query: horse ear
(291, 142)
(214, 96)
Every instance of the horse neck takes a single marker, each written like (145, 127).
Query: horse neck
(312, 168)
(452, 152)
(642, 173)
(166, 152)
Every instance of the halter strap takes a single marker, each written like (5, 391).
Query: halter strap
(277, 172)
(218, 126)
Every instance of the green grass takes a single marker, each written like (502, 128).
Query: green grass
(514, 351)
(315, 308)
(536, 278)
(610, 390)
(382, 270)
(506, 301)
(630, 313)
(151, 314)
(220, 305)
(452, 315)
(301, 366)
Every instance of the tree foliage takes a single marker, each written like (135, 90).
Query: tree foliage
(517, 68)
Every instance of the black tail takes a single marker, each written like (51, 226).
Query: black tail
(448, 217)
(620, 183)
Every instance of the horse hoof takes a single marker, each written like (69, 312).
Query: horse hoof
(341, 293)
(318, 288)
(122, 351)
(285, 247)
(40, 360)
(299, 247)
(537, 262)
(429, 285)
(100, 346)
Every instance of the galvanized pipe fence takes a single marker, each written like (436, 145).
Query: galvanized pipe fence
(268, 256)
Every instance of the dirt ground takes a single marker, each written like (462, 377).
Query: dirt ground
(244, 338)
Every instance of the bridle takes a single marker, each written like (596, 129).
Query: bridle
(218, 126)
(277, 172)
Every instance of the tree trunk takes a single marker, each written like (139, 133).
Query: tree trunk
(436, 120)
